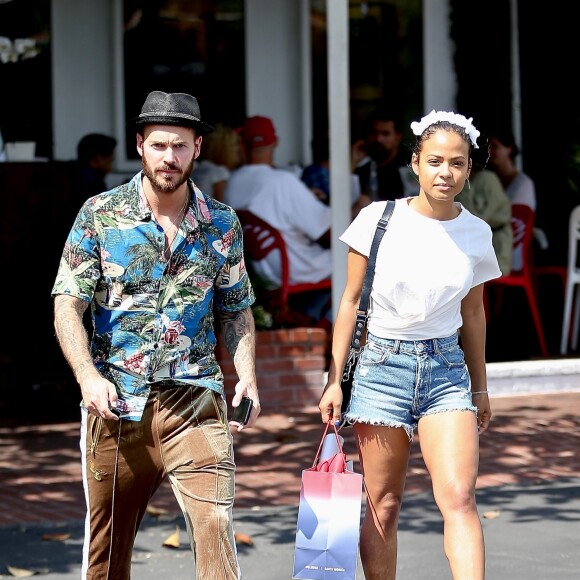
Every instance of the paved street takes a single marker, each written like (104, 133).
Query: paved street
(528, 498)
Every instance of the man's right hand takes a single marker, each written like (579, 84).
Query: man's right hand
(99, 396)
(98, 393)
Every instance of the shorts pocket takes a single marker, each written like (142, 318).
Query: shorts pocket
(453, 357)
(373, 354)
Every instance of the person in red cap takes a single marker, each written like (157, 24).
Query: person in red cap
(281, 199)
(258, 132)
(156, 259)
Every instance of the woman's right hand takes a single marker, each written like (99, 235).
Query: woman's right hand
(330, 403)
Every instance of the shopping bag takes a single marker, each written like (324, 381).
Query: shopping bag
(328, 526)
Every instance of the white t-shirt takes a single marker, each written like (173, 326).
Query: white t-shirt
(424, 268)
(207, 173)
(244, 182)
(522, 190)
(281, 199)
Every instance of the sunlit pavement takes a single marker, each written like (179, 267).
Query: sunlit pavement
(528, 498)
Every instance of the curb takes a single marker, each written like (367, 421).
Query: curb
(536, 376)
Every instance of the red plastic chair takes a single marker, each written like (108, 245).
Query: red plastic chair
(522, 275)
(260, 239)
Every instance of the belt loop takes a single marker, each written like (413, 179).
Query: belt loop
(397, 347)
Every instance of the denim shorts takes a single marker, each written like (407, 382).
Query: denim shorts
(396, 382)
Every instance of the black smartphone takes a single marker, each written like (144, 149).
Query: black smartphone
(242, 412)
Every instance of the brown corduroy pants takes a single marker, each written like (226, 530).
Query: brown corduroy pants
(183, 434)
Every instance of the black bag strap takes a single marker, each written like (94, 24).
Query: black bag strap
(361, 313)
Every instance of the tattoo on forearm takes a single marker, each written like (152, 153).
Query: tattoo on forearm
(236, 325)
(240, 339)
(71, 334)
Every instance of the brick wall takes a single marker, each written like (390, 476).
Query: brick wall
(290, 367)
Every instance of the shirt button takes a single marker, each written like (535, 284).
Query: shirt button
(155, 345)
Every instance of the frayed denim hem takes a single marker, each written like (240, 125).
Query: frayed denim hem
(438, 411)
(350, 420)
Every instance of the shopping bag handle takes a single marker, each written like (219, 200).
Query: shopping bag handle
(340, 451)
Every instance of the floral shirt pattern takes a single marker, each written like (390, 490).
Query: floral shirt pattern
(153, 319)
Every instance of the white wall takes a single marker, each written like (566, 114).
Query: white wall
(274, 71)
(82, 72)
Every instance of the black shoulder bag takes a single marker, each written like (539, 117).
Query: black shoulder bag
(361, 314)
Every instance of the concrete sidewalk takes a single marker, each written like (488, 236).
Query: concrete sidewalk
(528, 498)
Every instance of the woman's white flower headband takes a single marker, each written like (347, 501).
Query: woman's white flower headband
(435, 116)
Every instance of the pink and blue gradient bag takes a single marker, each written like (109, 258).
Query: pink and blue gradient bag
(328, 527)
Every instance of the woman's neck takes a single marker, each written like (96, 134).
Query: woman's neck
(434, 209)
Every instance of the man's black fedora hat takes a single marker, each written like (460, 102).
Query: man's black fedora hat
(171, 109)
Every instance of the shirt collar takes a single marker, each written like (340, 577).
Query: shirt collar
(197, 210)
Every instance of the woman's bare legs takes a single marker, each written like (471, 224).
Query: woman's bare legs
(384, 456)
(450, 447)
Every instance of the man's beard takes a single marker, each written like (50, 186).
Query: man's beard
(377, 152)
(163, 184)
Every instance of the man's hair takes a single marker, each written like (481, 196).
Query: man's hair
(95, 144)
(384, 114)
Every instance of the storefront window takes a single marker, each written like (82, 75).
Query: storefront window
(386, 58)
(187, 46)
(25, 74)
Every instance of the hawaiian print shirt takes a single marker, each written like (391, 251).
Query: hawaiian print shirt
(153, 319)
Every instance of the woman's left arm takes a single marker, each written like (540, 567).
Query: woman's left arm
(472, 335)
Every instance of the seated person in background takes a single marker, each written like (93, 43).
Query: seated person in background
(221, 153)
(518, 186)
(317, 175)
(484, 197)
(383, 174)
(95, 155)
(283, 200)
